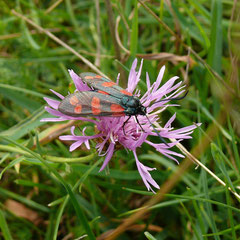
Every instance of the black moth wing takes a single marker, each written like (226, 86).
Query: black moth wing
(98, 82)
(90, 104)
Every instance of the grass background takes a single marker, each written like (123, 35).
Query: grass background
(47, 192)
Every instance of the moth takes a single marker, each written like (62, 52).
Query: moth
(105, 98)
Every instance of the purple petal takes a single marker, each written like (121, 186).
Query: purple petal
(70, 138)
(52, 103)
(139, 142)
(139, 72)
(159, 78)
(57, 94)
(176, 86)
(109, 156)
(80, 86)
(162, 145)
(72, 130)
(173, 153)
(75, 145)
(134, 76)
(87, 144)
(179, 136)
(146, 176)
(118, 77)
(172, 134)
(101, 145)
(184, 129)
(164, 89)
(79, 138)
(52, 120)
(164, 149)
(148, 81)
(169, 156)
(54, 112)
(168, 124)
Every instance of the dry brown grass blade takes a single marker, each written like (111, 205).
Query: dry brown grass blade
(22, 211)
(163, 56)
(33, 32)
(134, 228)
(53, 6)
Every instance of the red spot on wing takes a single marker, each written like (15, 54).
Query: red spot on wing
(126, 92)
(89, 77)
(116, 108)
(92, 77)
(108, 84)
(100, 91)
(78, 109)
(98, 76)
(74, 100)
(95, 103)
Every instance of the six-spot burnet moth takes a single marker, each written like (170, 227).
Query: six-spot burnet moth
(105, 99)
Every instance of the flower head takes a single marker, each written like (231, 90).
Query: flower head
(111, 130)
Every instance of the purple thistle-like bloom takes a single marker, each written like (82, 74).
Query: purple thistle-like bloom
(110, 129)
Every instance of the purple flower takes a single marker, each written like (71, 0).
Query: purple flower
(110, 129)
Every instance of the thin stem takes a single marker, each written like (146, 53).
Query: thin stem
(17, 150)
(59, 41)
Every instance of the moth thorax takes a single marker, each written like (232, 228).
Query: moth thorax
(133, 102)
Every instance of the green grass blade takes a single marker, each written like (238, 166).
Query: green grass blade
(4, 227)
(23, 200)
(12, 163)
(215, 51)
(26, 91)
(234, 146)
(134, 32)
(26, 125)
(149, 236)
(230, 216)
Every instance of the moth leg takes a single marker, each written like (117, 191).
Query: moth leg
(124, 125)
(139, 124)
